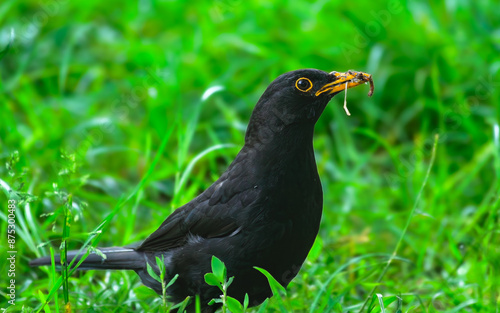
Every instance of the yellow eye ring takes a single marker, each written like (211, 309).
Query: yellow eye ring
(301, 81)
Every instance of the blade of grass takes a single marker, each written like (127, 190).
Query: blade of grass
(133, 210)
(29, 216)
(53, 277)
(64, 248)
(405, 229)
(381, 302)
(496, 142)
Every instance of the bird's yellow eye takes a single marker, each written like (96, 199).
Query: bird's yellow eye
(303, 84)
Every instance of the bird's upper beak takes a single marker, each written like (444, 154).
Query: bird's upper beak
(349, 78)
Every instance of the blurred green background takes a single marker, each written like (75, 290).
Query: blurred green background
(90, 90)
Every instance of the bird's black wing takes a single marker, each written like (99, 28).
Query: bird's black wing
(217, 212)
(188, 220)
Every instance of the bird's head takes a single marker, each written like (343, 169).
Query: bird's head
(299, 97)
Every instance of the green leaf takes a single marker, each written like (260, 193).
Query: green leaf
(273, 283)
(218, 269)
(152, 273)
(263, 306)
(172, 281)
(212, 280)
(234, 305)
(315, 250)
(182, 305)
(214, 301)
(160, 263)
(229, 281)
(161, 267)
(44, 300)
(246, 301)
(276, 288)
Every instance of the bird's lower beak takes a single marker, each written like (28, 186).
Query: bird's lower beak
(347, 80)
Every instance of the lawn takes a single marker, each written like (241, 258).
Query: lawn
(115, 113)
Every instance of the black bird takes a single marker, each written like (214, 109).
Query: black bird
(264, 210)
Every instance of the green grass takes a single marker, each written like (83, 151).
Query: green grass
(122, 111)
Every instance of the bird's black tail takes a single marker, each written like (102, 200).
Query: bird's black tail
(117, 258)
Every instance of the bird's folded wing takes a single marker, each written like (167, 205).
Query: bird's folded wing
(207, 216)
(179, 225)
(215, 213)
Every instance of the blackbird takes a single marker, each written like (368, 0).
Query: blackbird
(263, 211)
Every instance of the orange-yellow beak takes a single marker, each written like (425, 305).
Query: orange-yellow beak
(349, 78)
